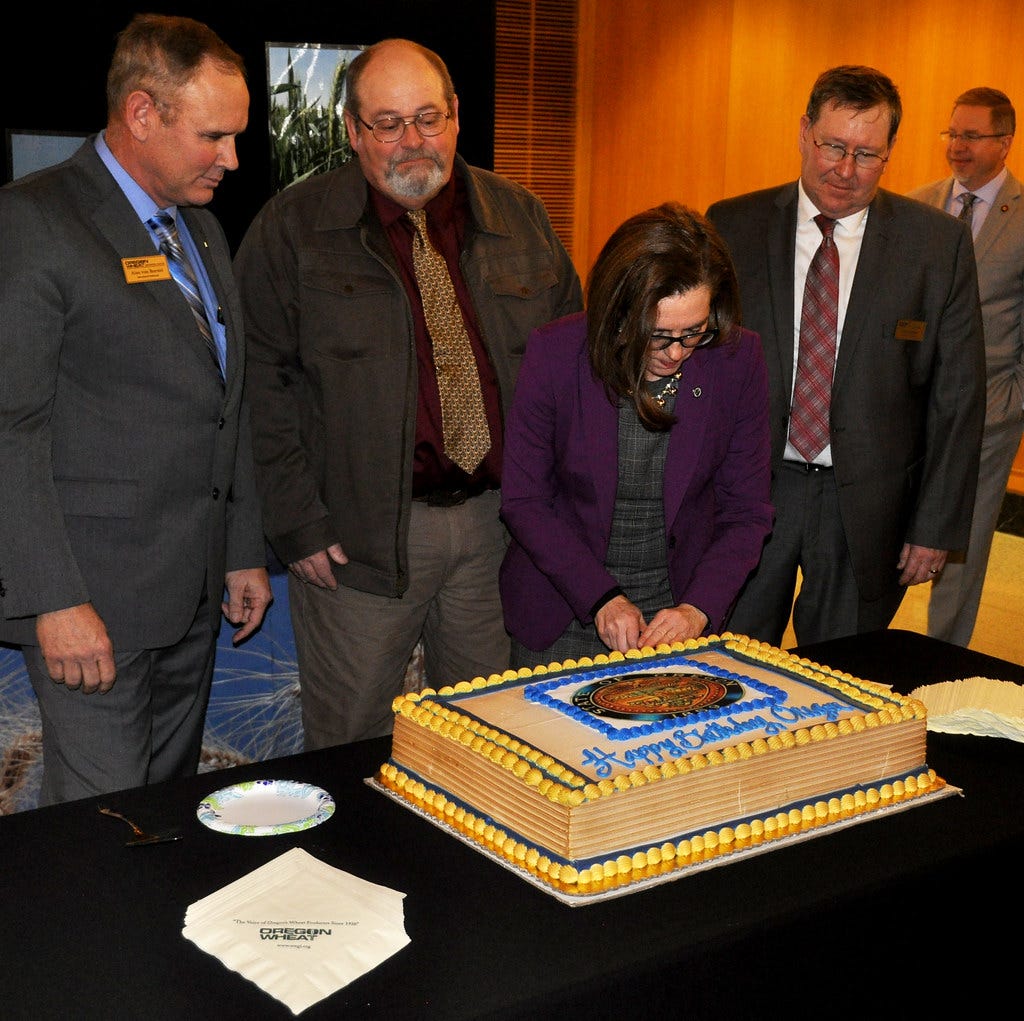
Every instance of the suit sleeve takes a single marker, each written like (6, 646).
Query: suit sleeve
(38, 569)
(536, 503)
(941, 518)
(245, 544)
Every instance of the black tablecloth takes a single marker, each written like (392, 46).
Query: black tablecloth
(901, 914)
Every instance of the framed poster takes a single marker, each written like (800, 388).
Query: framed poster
(306, 84)
(29, 150)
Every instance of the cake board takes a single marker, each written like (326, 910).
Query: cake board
(635, 886)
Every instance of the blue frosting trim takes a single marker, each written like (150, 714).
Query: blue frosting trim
(828, 689)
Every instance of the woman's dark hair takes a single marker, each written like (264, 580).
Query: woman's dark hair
(656, 254)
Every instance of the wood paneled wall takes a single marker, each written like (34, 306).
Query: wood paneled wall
(696, 100)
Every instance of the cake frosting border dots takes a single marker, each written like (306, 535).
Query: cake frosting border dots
(558, 783)
(615, 880)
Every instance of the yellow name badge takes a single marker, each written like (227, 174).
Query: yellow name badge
(144, 268)
(910, 329)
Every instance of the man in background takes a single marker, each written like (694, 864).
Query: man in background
(867, 306)
(984, 193)
(128, 503)
(382, 355)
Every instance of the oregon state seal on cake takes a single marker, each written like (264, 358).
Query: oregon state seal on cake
(594, 775)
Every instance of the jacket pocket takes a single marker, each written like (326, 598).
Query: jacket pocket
(526, 285)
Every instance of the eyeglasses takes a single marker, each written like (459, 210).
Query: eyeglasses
(391, 129)
(701, 338)
(970, 137)
(830, 152)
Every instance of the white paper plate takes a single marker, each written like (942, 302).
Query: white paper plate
(262, 808)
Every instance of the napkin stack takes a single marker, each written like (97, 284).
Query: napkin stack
(299, 928)
(975, 705)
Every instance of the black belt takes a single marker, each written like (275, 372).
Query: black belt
(451, 497)
(807, 467)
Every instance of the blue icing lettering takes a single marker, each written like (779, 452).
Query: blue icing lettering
(684, 741)
(602, 761)
(831, 711)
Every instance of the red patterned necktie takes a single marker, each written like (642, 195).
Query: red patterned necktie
(819, 321)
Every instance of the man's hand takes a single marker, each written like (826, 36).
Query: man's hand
(316, 568)
(249, 595)
(77, 649)
(920, 563)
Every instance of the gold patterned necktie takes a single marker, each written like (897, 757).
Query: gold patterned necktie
(467, 437)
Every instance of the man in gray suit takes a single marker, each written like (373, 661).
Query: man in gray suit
(127, 492)
(979, 137)
(888, 489)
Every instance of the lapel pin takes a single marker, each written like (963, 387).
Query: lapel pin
(696, 391)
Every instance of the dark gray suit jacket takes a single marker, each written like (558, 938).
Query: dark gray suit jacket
(908, 397)
(126, 475)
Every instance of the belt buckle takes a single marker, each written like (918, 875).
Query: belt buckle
(809, 467)
(447, 498)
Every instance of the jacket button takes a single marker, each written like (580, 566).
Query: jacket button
(216, 493)
(220, 424)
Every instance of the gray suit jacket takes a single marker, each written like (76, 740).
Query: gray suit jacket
(126, 474)
(908, 392)
(999, 253)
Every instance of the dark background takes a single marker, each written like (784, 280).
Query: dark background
(55, 67)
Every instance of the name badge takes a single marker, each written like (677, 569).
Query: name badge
(145, 268)
(910, 329)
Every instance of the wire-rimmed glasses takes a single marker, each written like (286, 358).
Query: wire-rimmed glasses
(391, 129)
(832, 152)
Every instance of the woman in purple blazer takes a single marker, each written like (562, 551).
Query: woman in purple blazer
(635, 483)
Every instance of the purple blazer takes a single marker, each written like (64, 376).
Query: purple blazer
(560, 473)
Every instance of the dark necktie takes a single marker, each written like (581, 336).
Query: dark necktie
(162, 224)
(819, 320)
(467, 437)
(967, 211)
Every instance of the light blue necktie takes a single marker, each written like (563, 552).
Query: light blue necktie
(162, 224)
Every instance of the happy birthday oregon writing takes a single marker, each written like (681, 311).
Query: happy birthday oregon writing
(683, 742)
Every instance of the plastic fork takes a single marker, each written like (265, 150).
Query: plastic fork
(141, 836)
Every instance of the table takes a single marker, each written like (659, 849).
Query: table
(894, 915)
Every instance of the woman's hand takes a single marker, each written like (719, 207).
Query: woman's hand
(673, 624)
(619, 624)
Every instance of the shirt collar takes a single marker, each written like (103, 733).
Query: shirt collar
(806, 210)
(143, 205)
(987, 192)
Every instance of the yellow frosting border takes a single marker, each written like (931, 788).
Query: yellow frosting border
(660, 859)
(562, 786)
